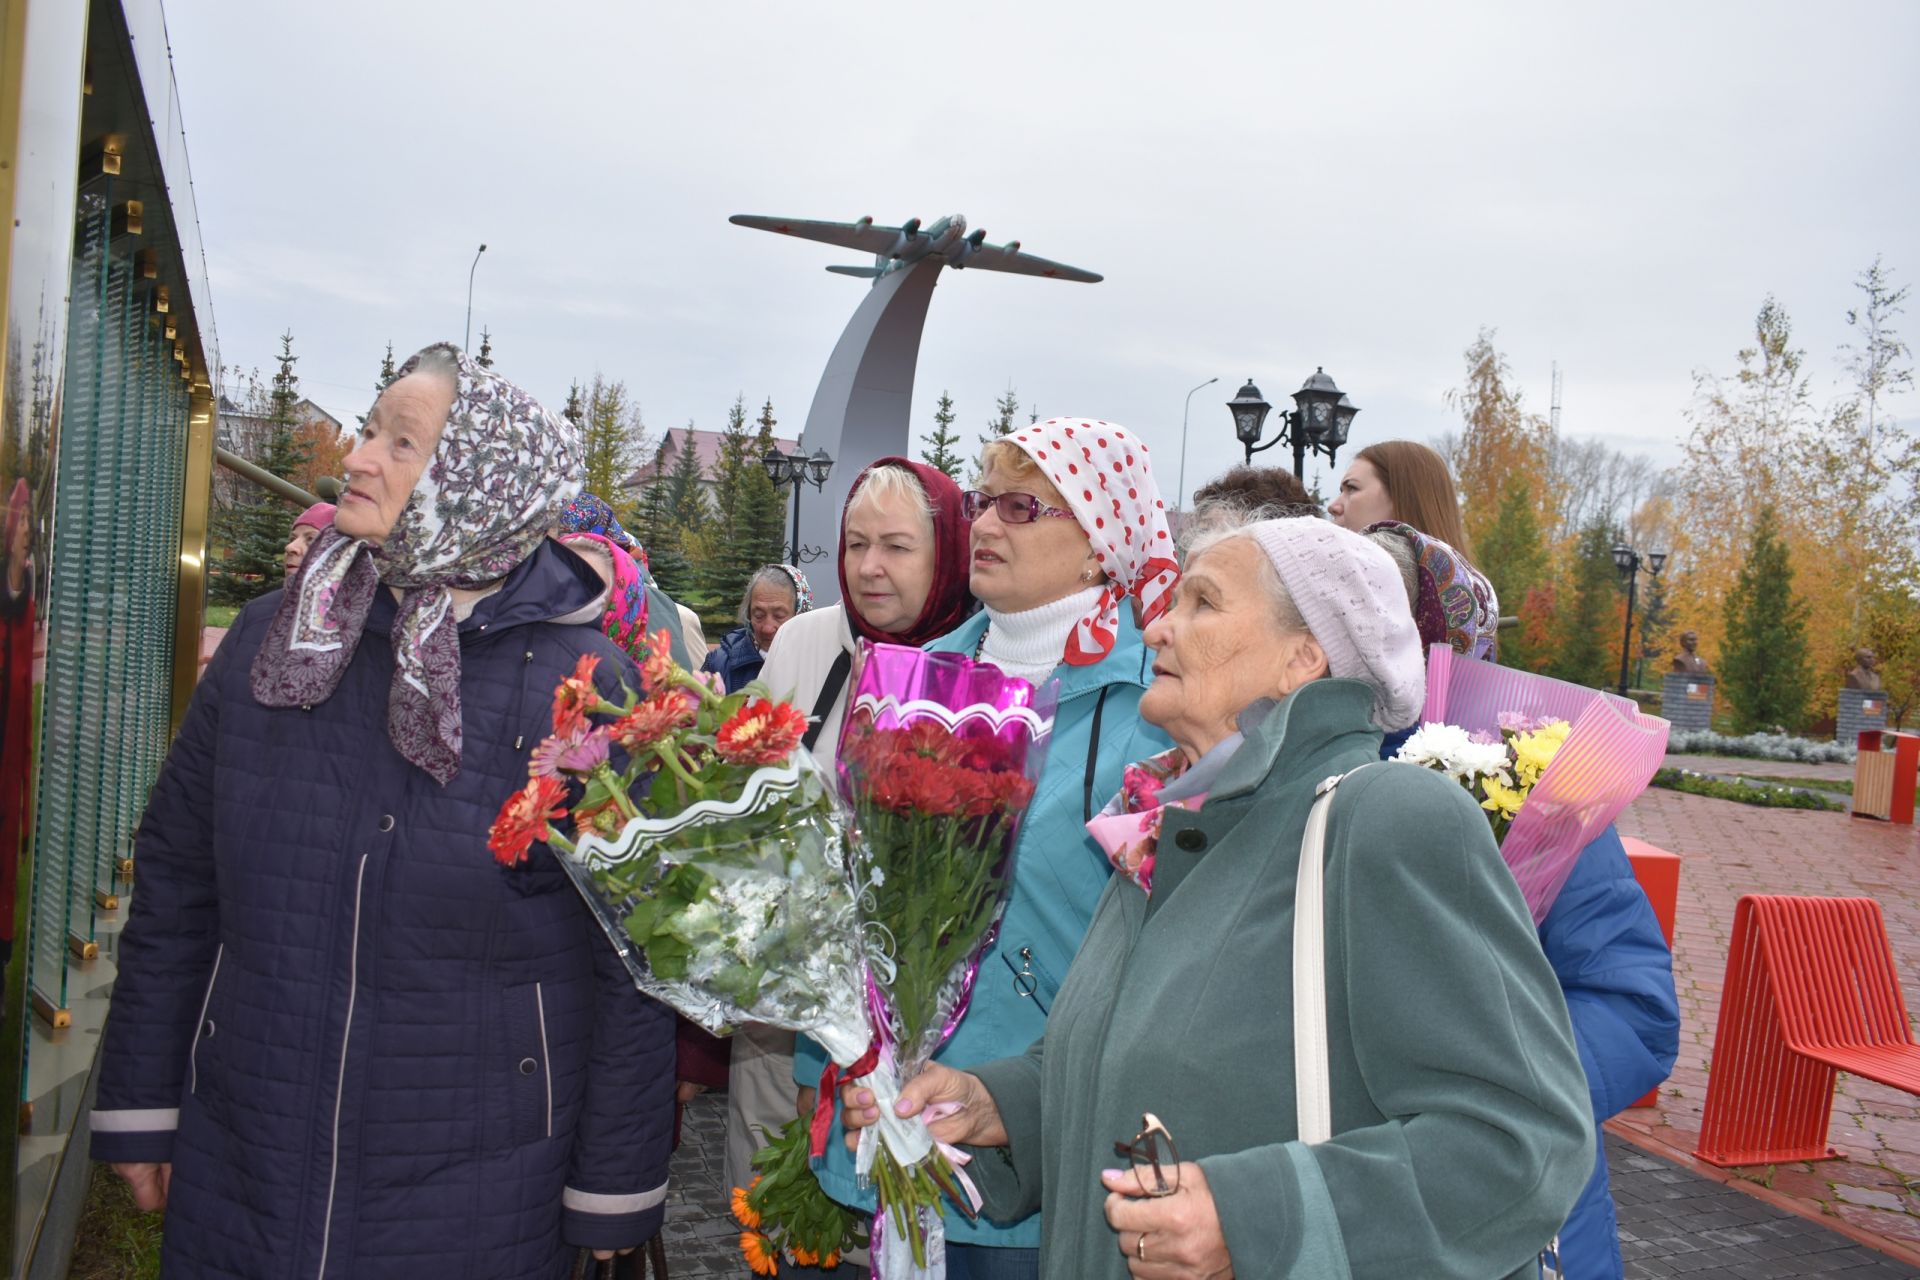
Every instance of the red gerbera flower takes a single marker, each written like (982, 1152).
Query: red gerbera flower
(761, 732)
(654, 718)
(524, 818)
(659, 667)
(574, 698)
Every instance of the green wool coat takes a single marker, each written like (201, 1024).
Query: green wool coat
(1461, 1128)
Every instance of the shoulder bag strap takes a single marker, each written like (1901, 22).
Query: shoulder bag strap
(1312, 1090)
(829, 693)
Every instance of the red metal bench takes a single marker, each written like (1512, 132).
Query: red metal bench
(1811, 989)
(1658, 872)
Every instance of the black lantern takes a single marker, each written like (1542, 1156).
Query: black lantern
(1249, 410)
(797, 469)
(1630, 562)
(1318, 423)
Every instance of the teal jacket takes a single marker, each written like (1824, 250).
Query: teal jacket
(1462, 1134)
(1058, 876)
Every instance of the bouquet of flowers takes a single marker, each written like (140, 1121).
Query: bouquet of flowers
(1552, 763)
(714, 858)
(938, 759)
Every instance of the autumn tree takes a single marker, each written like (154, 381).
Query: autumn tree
(1763, 661)
(1498, 438)
(941, 448)
(1512, 551)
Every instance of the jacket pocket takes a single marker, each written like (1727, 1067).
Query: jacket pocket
(206, 1031)
(1031, 979)
(529, 1073)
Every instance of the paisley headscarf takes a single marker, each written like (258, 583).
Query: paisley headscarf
(949, 603)
(802, 589)
(1455, 603)
(1101, 470)
(495, 485)
(625, 620)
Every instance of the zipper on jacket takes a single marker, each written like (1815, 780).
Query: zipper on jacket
(546, 1063)
(193, 1050)
(340, 1082)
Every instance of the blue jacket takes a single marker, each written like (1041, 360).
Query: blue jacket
(737, 659)
(367, 1049)
(1059, 875)
(1605, 946)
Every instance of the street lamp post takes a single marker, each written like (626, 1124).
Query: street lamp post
(1318, 422)
(470, 270)
(1180, 498)
(1629, 561)
(797, 469)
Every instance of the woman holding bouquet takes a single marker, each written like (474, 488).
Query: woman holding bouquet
(1069, 546)
(903, 580)
(1458, 1129)
(344, 1041)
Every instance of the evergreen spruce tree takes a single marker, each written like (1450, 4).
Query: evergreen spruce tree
(654, 526)
(613, 434)
(1763, 659)
(485, 358)
(745, 530)
(1001, 423)
(255, 528)
(1513, 554)
(682, 535)
(1588, 613)
(387, 371)
(1654, 619)
(942, 443)
(763, 506)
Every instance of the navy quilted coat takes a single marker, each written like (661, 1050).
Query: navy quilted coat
(368, 1050)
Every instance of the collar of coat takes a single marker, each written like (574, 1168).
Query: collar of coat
(1297, 734)
(550, 585)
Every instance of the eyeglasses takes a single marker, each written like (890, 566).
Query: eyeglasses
(1153, 1158)
(1014, 508)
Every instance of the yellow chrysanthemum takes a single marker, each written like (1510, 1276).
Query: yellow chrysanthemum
(1501, 799)
(1533, 752)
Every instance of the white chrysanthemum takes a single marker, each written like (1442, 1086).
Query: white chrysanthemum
(1451, 750)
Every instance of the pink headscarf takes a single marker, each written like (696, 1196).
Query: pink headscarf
(1101, 470)
(317, 516)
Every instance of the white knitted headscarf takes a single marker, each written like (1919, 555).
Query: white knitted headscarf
(1354, 602)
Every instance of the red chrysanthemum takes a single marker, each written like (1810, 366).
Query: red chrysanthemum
(931, 740)
(654, 718)
(524, 818)
(574, 697)
(761, 732)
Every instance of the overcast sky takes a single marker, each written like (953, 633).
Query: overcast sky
(1267, 188)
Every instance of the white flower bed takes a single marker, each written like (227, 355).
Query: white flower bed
(1759, 746)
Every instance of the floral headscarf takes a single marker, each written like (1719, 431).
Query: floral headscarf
(1455, 603)
(802, 590)
(495, 485)
(625, 620)
(1102, 472)
(588, 514)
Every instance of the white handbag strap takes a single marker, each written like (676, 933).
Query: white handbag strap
(1312, 1088)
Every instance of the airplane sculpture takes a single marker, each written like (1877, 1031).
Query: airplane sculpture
(902, 246)
(861, 411)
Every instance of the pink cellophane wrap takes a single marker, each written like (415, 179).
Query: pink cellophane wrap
(1608, 758)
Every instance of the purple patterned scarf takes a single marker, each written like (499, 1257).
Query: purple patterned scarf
(502, 471)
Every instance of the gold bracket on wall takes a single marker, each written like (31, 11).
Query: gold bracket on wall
(146, 264)
(44, 1009)
(126, 218)
(106, 901)
(126, 868)
(103, 157)
(83, 948)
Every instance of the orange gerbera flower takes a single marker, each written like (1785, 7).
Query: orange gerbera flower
(653, 718)
(761, 732)
(574, 698)
(657, 672)
(743, 1211)
(524, 818)
(804, 1257)
(761, 1255)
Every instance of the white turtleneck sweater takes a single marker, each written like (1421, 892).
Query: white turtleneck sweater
(1030, 644)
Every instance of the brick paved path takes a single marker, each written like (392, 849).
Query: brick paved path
(1730, 765)
(1729, 849)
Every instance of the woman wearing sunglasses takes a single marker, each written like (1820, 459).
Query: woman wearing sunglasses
(1069, 546)
(1187, 1113)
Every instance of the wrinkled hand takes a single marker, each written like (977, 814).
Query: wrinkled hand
(971, 1115)
(687, 1090)
(1183, 1234)
(150, 1183)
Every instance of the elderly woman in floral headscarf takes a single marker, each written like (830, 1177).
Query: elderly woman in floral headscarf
(1071, 555)
(343, 1043)
(775, 595)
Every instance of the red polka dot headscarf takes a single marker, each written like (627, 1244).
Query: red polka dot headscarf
(1101, 470)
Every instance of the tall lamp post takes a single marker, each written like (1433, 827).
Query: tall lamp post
(1180, 498)
(1317, 423)
(797, 469)
(1629, 562)
(470, 270)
